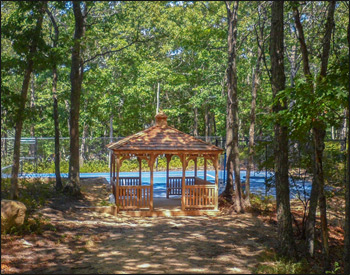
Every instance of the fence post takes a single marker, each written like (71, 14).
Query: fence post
(36, 155)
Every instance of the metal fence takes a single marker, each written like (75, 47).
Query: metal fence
(37, 152)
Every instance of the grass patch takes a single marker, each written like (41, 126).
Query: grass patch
(271, 263)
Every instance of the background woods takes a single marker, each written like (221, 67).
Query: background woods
(257, 74)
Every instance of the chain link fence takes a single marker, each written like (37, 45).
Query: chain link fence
(37, 156)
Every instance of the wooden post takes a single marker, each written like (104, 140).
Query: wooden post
(111, 168)
(114, 160)
(195, 167)
(140, 170)
(117, 184)
(151, 164)
(168, 159)
(205, 168)
(216, 166)
(140, 179)
(183, 160)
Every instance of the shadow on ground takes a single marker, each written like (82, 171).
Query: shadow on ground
(89, 242)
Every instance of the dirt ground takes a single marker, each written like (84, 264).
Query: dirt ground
(89, 242)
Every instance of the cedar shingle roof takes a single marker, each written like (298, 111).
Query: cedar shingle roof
(162, 137)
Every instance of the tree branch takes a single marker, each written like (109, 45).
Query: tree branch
(115, 51)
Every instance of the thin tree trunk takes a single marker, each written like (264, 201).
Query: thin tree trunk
(83, 145)
(347, 186)
(284, 218)
(206, 122)
(68, 110)
(320, 143)
(214, 124)
(76, 78)
(311, 218)
(32, 108)
(255, 86)
(22, 103)
(319, 132)
(232, 150)
(59, 185)
(195, 122)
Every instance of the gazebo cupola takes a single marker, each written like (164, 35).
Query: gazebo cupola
(196, 193)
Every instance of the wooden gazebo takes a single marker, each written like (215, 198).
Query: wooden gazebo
(197, 195)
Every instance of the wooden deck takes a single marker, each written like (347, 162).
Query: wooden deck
(162, 208)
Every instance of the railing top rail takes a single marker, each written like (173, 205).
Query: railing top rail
(134, 186)
(208, 186)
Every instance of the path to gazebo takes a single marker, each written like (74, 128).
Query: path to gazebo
(94, 243)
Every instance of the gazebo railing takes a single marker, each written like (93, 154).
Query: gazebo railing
(129, 181)
(174, 186)
(133, 197)
(200, 196)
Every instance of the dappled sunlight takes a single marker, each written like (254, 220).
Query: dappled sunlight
(89, 242)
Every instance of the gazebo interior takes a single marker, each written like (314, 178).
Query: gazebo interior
(198, 196)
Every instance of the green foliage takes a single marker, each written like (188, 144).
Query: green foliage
(262, 204)
(34, 193)
(105, 203)
(277, 265)
(31, 225)
(336, 269)
(334, 164)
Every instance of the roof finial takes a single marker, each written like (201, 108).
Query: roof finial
(161, 119)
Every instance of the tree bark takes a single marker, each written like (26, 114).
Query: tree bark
(76, 78)
(284, 219)
(321, 129)
(207, 123)
(32, 108)
(311, 218)
(347, 186)
(255, 86)
(20, 111)
(195, 122)
(59, 185)
(232, 150)
(319, 132)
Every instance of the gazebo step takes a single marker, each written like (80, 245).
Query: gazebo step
(112, 210)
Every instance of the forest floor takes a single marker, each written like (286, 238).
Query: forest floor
(81, 241)
(75, 240)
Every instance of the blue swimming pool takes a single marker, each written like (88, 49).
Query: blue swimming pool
(257, 185)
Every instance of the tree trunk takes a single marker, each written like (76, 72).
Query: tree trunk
(284, 218)
(319, 133)
(206, 122)
(59, 185)
(68, 110)
(255, 86)
(76, 78)
(32, 108)
(232, 150)
(347, 187)
(214, 124)
(195, 122)
(22, 104)
(318, 130)
(311, 218)
(83, 145)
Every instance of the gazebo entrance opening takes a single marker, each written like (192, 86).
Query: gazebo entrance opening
(161, 139)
